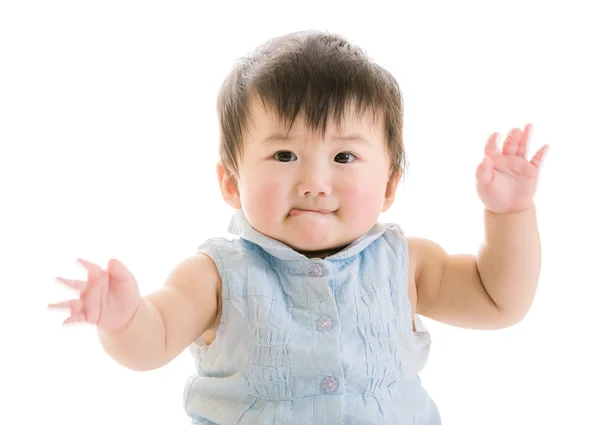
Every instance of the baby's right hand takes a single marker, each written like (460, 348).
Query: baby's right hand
(109, 298)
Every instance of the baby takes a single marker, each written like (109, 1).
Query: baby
(311, 316)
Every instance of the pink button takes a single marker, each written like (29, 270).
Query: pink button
(324, 324)
(316, 270)
(330, 384)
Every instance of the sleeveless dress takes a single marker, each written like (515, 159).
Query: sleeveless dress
(311, 341)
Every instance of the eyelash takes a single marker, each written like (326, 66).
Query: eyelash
(347, 153)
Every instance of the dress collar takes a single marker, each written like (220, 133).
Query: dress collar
(240, 226)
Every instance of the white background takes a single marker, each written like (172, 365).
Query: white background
(109, 137)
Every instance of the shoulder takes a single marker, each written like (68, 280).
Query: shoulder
(393, 236)
(425, 252)
(221, 249)
(196, 277)
(230, 256)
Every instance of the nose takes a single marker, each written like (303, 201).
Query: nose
(314, 180)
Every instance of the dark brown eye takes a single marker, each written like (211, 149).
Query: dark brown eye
(285, 156)
(344, 157)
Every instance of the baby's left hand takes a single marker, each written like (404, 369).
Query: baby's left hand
(506, 181)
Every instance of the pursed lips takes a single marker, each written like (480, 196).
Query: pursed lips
(297, 211)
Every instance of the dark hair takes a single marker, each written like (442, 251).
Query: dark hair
(317, 73)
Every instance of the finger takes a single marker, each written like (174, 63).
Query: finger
(511, 143)
(484, 172)
(74, 305)
(79, 285)
(537, 158)
(491, 148)
(76, 318)
(522, 146)
(94, 270)
(119, 271)
(62, 304)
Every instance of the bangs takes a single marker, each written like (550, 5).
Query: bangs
(325, 95)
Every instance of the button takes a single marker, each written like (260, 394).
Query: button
(330, 384)
(316, 270)
(324, 324)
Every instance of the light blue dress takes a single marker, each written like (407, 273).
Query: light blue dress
(312, 341)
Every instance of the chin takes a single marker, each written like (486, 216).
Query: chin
(315, 242)
(307, 247)
(309, 242)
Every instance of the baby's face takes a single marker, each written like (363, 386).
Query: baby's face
(315, 193)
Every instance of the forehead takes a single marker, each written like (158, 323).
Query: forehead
(264, 122)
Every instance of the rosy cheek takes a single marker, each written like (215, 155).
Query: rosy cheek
(266, 198)
(358, 193)
(361, 200)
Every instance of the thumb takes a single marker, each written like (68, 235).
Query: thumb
(118, 271)
(484, 172)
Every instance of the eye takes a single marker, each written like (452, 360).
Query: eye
(285, 156)
(344, 157)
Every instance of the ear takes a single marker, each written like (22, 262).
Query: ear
(390, 190)
(228, 186)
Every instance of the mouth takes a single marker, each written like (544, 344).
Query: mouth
(296, 212)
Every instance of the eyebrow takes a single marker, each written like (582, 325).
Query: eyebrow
(350, 137)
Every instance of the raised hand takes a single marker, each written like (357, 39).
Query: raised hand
(506, 181)
(108, 298)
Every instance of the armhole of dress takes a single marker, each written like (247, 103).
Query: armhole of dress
(419, 331)
(212, 249)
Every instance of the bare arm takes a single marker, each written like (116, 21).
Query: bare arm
(491, 291)
(170, 319)
(510, 260)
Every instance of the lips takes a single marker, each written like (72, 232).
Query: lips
(297, 211)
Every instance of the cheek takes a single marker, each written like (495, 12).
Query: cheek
(364, 198)
(262, 198)
(363, 193)
(270, 195)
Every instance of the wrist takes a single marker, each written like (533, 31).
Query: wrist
(129, 323)
(514, 211)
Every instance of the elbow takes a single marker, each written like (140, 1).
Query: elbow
(512, 317)
(144, 368)
(139, 365)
